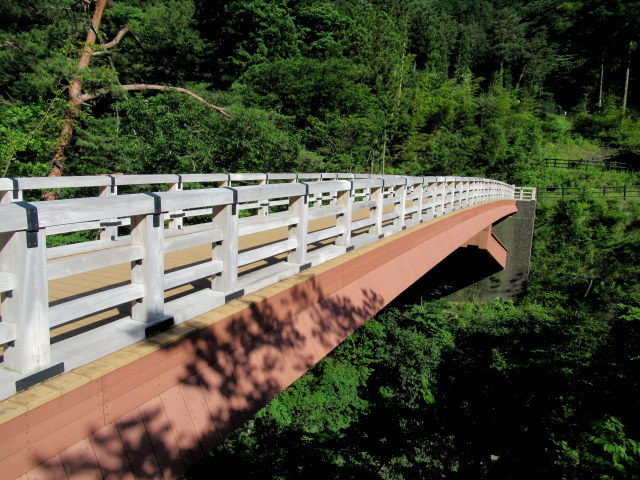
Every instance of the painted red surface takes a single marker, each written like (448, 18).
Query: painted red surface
(158, 415)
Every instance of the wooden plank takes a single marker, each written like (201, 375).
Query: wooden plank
(326, 211)
(255, 224)
(84, 247)
(92, 261)
(80, 461)
(67, 311)
(244, 177)
(364, 204)
(282, 176)
(268, 251)
(27, 308)
(190, 274)
(345, 199)
(389, 216)
(46, 183)
(325, 233)
(200, 414)
(51, 468)
(152, 179)
(359, 183)
(328, 186)
(8, 332)
(182, 425)
(13, 217)
(365, 222)
(137, 445)
(62, 212)
(197, 212)
(6, 281)
(74, 227)
(190, 240)
(148, 272)
(204, 177)
(225, 218)
(190, 199)
(162, 439)
(265, 192)
(298, 208)
(110, 453)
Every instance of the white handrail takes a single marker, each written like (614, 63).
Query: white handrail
(27, 265)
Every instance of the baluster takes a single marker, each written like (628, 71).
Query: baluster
(147, 231)
(110, 231)
(345, 198)
(225, 218)
(10, 196)
(264, 204)
(26, 306)
(401, 204)
(376, 195)
(417, 202)
(176, 217)
(299, 207)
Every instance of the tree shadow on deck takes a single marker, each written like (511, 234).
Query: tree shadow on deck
(181, 401)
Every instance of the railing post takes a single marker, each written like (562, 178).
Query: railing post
(376, 195)
(441, 188)
(345, 198)
(26, 306)
(264, 204)
(432, 195)
(299, 207)
(401, 204)
(10, 196)
(449, 195)
(225, 218)
(147, 231)
(417, 202)
(109, 232)
(176, 218)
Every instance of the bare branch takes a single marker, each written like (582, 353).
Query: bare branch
(116, 40)
(143, 86)
(9, 43)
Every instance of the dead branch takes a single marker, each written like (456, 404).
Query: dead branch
(10, 44)
(143, 86)
(116, 40)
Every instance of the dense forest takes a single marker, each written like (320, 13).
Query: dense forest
(400, 86)
(545, 385)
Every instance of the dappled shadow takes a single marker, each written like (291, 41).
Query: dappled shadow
(165, 410)
(226, 372)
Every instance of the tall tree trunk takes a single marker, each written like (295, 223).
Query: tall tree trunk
(601, 81)
(77, 98)
(59, 155)
(626, 81)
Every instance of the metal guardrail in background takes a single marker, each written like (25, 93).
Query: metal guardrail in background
(619, 191)
(584, 163)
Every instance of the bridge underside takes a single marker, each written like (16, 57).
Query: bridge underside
(161, 404)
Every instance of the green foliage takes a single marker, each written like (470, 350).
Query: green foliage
(27, 133)
(169, 132)
(616, 455)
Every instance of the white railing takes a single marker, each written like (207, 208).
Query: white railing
(141, 228)
(525, 193)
